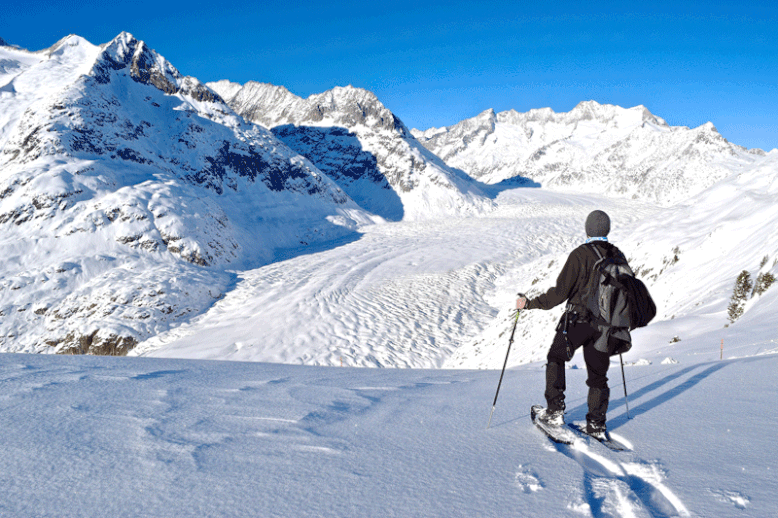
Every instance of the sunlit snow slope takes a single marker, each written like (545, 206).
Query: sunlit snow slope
(96, 436)
(405, 294)
(354, 139)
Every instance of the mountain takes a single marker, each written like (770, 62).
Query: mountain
(363, 146)
(593, 148)
(127, 189)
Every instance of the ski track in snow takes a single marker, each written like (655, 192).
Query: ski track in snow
(406, 294)
(612, 487)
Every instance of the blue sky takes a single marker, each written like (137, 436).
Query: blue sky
(436, 63)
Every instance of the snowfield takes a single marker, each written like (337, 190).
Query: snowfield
(99, 436)
(408, 294)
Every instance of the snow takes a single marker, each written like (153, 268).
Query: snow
(628, 153)
(354, 139)
(115, 178)
(90, 436)
(407, 294)
(97, 436)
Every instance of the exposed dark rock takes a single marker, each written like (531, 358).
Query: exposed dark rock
(93, 343)
(250, 164)
(129, 154)
(334, 150)
(86, 139)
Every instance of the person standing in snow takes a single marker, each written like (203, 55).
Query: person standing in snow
(576, 328)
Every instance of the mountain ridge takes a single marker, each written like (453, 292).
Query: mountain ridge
(354, 139)
(625, 152)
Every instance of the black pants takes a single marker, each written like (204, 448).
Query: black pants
(579, 334)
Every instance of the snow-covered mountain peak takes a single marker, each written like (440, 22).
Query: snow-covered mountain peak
(71, 43)
(350, 106)
(257, 87)
(261, 103)
(647, 116)
(146, 66)
(3, 43)
(597, 147)
(606, 114)
(342, 96)
(592, 110)
(487, 118)
(225, 88)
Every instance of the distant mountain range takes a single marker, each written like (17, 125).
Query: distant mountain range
(130, 193)
(592, 148)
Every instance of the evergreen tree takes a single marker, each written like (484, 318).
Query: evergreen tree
(763, 281)
(743, 286)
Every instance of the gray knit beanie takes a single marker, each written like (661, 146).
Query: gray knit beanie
(598, 224)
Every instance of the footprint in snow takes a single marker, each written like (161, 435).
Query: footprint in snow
(735, 498)
(527, 480)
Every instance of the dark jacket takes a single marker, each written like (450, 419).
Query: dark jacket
(573, 282)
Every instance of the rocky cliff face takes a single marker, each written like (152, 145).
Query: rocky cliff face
(126, 189)
(594, 148)
(360, 144)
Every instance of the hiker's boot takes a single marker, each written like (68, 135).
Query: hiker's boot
(552, 417)
(596, 430)
(598, 406)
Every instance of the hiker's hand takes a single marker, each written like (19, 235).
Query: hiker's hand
(521, 302)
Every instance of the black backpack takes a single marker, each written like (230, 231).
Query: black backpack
(617, 299)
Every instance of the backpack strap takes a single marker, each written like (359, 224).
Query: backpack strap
(597, 251)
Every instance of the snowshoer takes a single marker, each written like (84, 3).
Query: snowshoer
(576, 328)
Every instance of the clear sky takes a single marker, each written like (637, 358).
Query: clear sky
(435, 63)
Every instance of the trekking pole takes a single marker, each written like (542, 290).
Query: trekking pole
(510, 342)
(626, 401)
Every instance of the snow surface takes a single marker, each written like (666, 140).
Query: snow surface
(101, 436)
(96, 436)
(408, 294)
